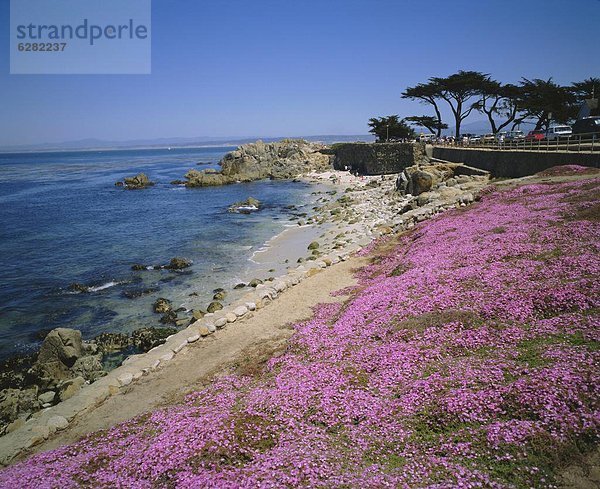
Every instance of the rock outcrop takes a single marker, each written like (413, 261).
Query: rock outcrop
(137, 182)
(62, 358)
(144, 339)
(419, 179)
(279, 160)
(245, 206)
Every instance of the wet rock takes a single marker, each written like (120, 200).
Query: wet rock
(219, 296)
(198, 314)
(178, 263)
(314, 245)
(161, 305)
(169, 317)
(178, 182)
(139, 266)
(145, 339)
(14, 371)
(136, 293)
(246, 206)
(139, 181)
(79, 288)
(214, 306)
(239, 286)
(255, 282)
(111, 342)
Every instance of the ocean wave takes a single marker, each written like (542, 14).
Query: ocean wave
(107, 285)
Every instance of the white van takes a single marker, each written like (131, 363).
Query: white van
(556, 132)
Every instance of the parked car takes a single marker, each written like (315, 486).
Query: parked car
(501, 136)
(427, 138)
(555, 132)
(489, 138)
(514, 136)
(475, 139)
(536, 135)
(589, 126)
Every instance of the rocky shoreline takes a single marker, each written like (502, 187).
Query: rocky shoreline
(352, 214)
(285, 159)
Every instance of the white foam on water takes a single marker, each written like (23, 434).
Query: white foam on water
(107, 285)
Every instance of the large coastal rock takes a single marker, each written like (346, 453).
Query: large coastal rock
(280, 160)
(61, 345)
(418, 179)
(63, 356)
(136, 182)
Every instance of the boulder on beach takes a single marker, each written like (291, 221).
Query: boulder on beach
(139, 181)
(63, 356)
(63, 345)
(418, 179)
(219, 296)
(214, 306)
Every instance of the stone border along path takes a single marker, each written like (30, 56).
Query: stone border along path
(46, 422)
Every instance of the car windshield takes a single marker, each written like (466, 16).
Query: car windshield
(596, 122)
(562, 129)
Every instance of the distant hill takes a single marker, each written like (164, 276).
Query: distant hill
(90, 144)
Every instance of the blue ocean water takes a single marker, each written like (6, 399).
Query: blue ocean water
(62, 220)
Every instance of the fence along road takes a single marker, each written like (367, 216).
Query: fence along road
(580, 143)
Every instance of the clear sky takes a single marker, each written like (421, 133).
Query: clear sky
(296, 67)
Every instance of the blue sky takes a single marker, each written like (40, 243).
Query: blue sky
(304, 67)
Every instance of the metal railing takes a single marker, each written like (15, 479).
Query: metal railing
(580, 143)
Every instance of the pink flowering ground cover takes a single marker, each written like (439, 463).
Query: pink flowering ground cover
(466, 357)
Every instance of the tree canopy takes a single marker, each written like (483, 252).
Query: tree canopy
(390, 128)
(431, 123)
(536, 101)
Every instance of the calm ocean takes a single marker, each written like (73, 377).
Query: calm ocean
(62, 220)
